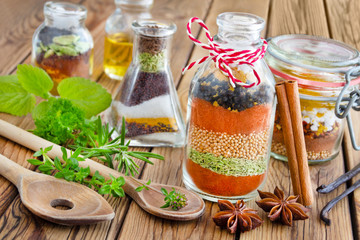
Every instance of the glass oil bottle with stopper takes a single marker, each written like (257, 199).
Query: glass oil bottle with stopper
(62, 45)
(147, 97)
(119, 37)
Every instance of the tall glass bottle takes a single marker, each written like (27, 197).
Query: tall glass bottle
(230, 128)
(119, 35)
(147, 97)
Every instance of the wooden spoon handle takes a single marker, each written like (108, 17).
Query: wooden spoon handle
(34, 143)
(12, 171)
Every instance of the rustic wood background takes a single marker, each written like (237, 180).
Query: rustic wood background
(338, 19)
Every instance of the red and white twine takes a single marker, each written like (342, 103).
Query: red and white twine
(223, 57)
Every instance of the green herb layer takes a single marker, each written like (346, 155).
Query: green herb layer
(152, 63)
(229, 166)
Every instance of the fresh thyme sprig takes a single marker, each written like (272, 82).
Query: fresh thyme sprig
(107, 150)
(144, 186)
(71, 171)
(173, 199)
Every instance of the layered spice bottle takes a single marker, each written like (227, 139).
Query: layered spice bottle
(147, 97)
(118, 45)
(319, 65)
(62, 45)
(230, 117)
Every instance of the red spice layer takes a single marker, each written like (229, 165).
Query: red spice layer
(219, 119)
(222, 185)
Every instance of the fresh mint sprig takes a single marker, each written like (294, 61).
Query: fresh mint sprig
(70, 171)
(17, 92)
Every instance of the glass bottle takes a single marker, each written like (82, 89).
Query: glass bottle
(229, 129)
(62, 45)
(319, 65)
(147, 97)
(119, 35)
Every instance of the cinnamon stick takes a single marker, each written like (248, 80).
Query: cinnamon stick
(292, 93)
(288, 138)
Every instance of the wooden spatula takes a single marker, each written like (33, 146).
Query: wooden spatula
(41, 194)
(150, 200)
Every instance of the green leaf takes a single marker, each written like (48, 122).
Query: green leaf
(89, 96)
(40, 110)
(148, 182)
(14, 98)
(34, 80)
(35, 162)
(58, 164)
(165, 205)
(164, 191)
(139, 189)
(47, 149)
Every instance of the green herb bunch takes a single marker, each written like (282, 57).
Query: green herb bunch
(107, 149)
(173, 199)
(71, 171)
(58, 119)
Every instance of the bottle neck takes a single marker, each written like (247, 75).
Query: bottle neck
(238, 39)
(64, 22)
(151, 53)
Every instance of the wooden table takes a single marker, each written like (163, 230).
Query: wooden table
(338, 19)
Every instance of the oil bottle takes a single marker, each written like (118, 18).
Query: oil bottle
(119, 37)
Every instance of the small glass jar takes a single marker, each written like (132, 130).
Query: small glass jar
(118, 45)
(319, 65)
(229, 128)
(62, 45)
(147, 97)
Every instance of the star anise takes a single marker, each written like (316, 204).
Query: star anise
(236, 217)
(280, 209)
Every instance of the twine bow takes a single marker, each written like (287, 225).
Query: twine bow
(223, 57)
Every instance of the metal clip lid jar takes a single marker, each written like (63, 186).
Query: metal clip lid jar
(324, 70)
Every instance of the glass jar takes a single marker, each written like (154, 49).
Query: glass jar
(62, 45)
(319, 66)
(147, 97)
(229, 128)
(119, 35)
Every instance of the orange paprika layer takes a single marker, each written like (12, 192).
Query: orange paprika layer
(222, 185)
(219, 119)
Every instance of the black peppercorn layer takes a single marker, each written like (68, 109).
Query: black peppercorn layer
(220, 93)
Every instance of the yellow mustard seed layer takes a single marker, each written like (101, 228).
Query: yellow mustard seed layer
(244, 146)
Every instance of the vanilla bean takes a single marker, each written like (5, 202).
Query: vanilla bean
(332, 203)
(340, 180)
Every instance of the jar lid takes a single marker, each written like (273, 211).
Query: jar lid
(312, 51)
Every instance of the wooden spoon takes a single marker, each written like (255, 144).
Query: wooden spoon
(41, 193)
(150, 200)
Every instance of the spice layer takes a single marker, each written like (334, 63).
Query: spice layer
(222, 185)
(218, 119)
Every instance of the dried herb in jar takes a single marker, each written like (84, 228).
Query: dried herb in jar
(63, 54)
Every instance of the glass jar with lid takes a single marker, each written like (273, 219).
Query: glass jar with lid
(62, 45)
(147, 98)
(230, 124)
(119, 35)
(319, 65)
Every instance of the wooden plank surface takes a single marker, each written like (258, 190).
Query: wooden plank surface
(344, 26)
(317, 17)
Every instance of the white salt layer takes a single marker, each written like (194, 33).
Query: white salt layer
(154, 108)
